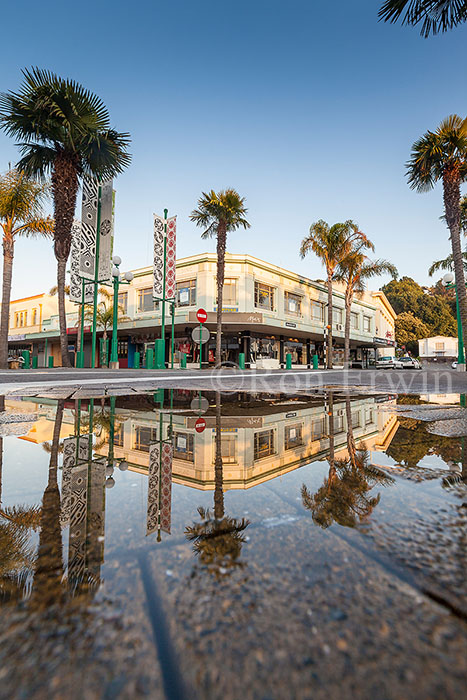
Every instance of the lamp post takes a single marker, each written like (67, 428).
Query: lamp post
(128, 277)
(448, 282)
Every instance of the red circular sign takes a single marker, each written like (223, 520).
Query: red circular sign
(201, 315)
(200, 425)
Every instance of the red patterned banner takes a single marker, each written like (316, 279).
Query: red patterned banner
(166, 487)
(170, 285)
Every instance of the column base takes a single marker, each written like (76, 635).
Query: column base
(460, 367)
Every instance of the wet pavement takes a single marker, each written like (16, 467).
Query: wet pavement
(186, 545)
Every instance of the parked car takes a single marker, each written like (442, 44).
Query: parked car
(454, 364)
(386, 362)
(407, 363)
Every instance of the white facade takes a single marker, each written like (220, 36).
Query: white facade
(440, 347)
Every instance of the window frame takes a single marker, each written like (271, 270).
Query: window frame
(271, 293)
(294, 297)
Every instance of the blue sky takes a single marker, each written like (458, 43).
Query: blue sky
(309, 109)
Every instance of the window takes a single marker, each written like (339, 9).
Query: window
(229, 294)
(34, 317)
(337, 315)
(145, 300)
(354, 320)
(264, 296)
(228, 448)
(118, 435)
(369, 416)
(186, 293)
(122, 348)
(143, 437)
(356, 419)
(183, 446)
(367, 324)
(264, 444)
(123, 302)
(292, 304)
(293, 436)
(318, 428)
(439, 346)
(317, 311)
(338, 424)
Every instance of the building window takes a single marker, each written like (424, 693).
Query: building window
(186, 293)
(183, 446)
(122, 348)
(367, 324)
(123, 302)
(229, 293)
(439, 346)
(317, 311)
(292, 304)
(318, 428)
(369, 416)
(145, 300)
(34, 317)
(118, 435)
(338, 424)
(228, 448)
(337, 315)
(264, 444)
(354, 320)
(293, 436)
(143, 438)
(264, 296)
(356, 419)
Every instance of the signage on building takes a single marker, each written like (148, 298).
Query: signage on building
(229, 317)
(228, 422)
(289, 324)
(384, 341)
(291, 415)
(20, 336)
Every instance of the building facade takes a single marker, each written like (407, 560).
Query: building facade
(268, 312)
(439, 348)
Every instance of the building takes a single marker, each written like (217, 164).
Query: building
(268, 312)
(440, 348)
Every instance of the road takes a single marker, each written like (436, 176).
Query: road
(65, 382)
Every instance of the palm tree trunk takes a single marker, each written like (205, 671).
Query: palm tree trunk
(64, 189)
(218, 465)
(2, 408)
(351, 447)
(328, 358)
(451, 193)
(348, 306)
(8, 252)
(221, 246)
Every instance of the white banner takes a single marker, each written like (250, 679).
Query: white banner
(158, 265)
(75, 280)
(106, 232)
(87, 258)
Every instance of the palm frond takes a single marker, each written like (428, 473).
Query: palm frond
(435, 16)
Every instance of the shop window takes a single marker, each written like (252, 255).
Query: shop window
(354, 320)
(356, 419)
(318, 428)
(229, 293)
(337, 315)
(367, 324)
(264, 296)
(186, 293)
(123, 302)
(144, 435)
(183, 446)
(146, 301)
(264, 444)
(297, 350)
(293, 436)
(439, 346)
(292, 304)
(264, 348)
(317, 311)
(122, 348)
(228, 448)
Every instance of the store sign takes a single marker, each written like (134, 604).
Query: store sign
(289, 324)
(384, 341)
(20, 336)
(291, 415)
(229, 317)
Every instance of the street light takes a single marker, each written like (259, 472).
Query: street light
(448, 282)
(127, 278)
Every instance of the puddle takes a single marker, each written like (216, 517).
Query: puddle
(180, 544)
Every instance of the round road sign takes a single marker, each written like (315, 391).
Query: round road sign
(202, 315)
(200, 334)
(199, 404)
(200, 425)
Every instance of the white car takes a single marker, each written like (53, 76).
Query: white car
(385, 362)
(407, 363)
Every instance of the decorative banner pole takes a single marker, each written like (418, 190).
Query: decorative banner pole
(164, 287)
(96, 281)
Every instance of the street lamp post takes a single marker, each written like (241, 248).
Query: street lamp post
(448, 281)
(128, 277)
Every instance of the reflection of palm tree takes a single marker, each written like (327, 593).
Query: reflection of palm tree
(344, 497)
(47, 585)
(217, 540)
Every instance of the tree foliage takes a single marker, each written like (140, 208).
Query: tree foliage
(434, 16)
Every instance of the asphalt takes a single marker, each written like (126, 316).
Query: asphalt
(66, 382)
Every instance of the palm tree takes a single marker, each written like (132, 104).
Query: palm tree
(218, 213)
(64, 130)
(104, 314)
(447, 263)
(21, 214)
(331, 244)
(441, 155)
(354, 270)
(435, 15)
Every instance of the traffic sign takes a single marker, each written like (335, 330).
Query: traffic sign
(202, 315)
(200, 425)
(200, 404)
(200, 334)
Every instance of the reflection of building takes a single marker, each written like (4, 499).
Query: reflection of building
(269, 312)
(257, 446)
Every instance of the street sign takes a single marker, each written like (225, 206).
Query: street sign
(201, 315)
(200, 404)
(200, 334)
(200, 425)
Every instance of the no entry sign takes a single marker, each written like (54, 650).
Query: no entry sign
(200, 425)
(201, 315)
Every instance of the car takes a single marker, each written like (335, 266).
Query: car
(386, 362)
(454, 364)
(407, 363)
